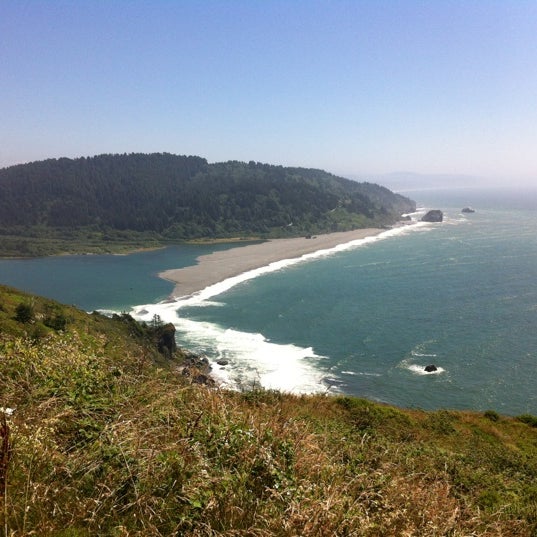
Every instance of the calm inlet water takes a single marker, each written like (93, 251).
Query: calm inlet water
(109, 282)
(364, 320)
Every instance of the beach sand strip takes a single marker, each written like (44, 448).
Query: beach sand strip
(218, 266)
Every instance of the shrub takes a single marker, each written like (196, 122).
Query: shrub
(24, 313)
(491, 415)
(441, 421)
(57, 322)
(528, 419)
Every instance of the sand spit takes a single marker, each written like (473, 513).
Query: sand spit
(218, 266)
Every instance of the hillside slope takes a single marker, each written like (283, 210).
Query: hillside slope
(163, 197)
(108, 438)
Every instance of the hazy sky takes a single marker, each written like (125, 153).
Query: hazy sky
(353, 87)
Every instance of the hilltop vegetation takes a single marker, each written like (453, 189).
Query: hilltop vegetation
(108, 437)
(123, 201)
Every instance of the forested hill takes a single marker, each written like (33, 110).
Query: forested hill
(184, 197)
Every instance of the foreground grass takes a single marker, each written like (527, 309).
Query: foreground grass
(106, 441)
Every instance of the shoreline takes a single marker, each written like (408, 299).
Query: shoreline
(218, 266)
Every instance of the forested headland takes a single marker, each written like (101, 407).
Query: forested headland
(109, 202)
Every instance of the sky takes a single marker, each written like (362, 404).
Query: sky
(357, 88)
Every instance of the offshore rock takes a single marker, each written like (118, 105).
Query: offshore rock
(435, 215)
(431, 368)
(468, 210)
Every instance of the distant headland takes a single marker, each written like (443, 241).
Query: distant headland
(111, 203)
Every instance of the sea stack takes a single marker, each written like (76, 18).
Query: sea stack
(435, 215)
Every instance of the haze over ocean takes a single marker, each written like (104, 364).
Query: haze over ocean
(363, 321)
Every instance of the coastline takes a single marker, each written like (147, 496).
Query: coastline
(218, 266)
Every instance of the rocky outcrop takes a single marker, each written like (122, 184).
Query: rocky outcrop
(435, 215)
(197, 368)
(165, 338)
(468, 210)
(431, 368)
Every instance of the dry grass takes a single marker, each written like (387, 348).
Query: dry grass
(103, 442)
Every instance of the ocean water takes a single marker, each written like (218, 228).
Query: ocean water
(364, 319)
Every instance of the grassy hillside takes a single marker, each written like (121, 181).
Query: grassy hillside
(118, 201)
(109, 437)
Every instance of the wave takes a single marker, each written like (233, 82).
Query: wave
(252, 358)
(221, 287)
(421, 350)
(420, 370)
(360, 374)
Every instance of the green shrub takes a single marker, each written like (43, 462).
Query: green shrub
(528, 419)
(56, 322)
(489, 499)
(24, 312)
(441, 421)
(491, 415)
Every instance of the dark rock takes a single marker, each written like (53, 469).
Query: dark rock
(431, 368)
(468, 210)
(222, 362)
(165, 335)
(203, 379)
(195, 361)
(435, 215)
(196, 367)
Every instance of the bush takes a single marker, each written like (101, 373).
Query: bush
(491, 415)
(56, 322)
(24, 313)
(441, 421)
(528, 419)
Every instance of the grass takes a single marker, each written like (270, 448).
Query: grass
(107, 438)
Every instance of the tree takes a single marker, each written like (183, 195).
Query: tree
(156, 322)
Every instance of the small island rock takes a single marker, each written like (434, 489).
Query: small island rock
(468, 210)
(435, 215)
(431, 368)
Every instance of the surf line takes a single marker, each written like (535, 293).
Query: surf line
(252, 354)
(218, 288)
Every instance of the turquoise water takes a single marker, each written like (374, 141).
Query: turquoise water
(365, 321)
(110, 282)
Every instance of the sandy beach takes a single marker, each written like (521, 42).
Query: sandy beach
(218, 266)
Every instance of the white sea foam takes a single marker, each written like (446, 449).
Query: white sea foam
(227, 284)
(420, 370)
(360, 374)
(252, 358)
(210, 303)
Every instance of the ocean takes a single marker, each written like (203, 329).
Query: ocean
(364, 319)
